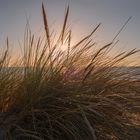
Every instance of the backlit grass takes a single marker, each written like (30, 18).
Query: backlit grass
(78, 94)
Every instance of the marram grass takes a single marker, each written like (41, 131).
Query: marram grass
(77, 94)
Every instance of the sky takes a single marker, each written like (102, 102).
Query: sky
(84, 16)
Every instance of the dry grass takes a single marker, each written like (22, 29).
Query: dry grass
(76, 94)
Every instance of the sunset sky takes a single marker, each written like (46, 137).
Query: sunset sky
(84, 16)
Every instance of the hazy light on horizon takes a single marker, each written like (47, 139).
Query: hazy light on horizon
(84, 16)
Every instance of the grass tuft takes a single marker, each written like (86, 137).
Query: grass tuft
(78, 94)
